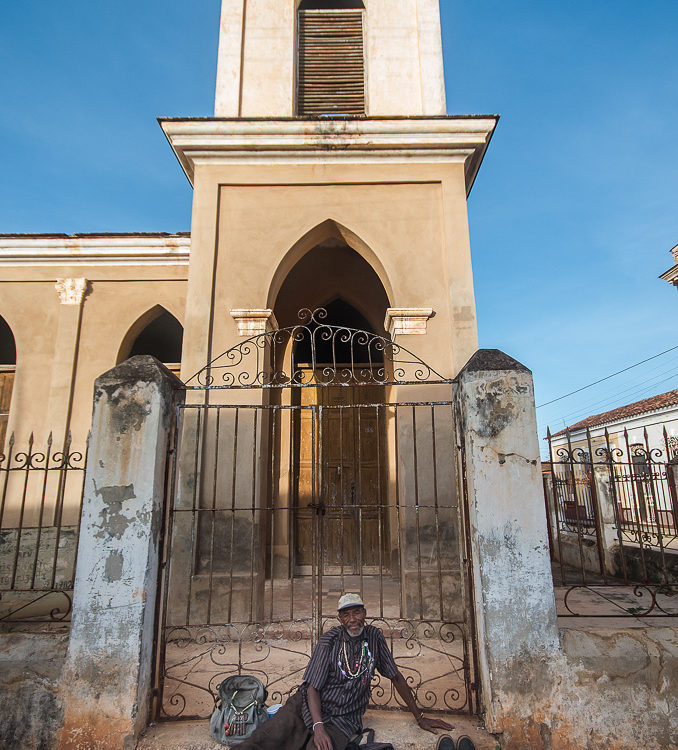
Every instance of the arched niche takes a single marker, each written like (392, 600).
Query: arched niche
(158, 333)
(338, 238)
(332, 275)
(7, 373)
(332, 270)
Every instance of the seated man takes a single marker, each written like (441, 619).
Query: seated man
(328, 708)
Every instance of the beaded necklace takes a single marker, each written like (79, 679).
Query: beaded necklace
(360, 666)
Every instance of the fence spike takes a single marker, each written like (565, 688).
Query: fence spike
(49, 440)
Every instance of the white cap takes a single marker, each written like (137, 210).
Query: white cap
(349, 600)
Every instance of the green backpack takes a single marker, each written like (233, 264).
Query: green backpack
(239, 709)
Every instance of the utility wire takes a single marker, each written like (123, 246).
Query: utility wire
(632, 390)
(619, 372)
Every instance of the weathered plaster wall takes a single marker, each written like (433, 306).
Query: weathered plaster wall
(650, 561)
(612, 688)
(573, 689)
(107, 676)
(410, 222)
(31, 713)
(117, 295)
(513, 587)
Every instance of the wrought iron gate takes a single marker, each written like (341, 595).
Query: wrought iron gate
(287, 490)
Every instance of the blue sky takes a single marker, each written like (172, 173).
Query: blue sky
(572, 215)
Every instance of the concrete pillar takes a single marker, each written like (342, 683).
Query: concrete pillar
(107, 675)
(607, 520)
(512, 584)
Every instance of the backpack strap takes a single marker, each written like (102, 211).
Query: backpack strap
(357, 738)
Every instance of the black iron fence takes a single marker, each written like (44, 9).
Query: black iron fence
(40, 502)
(612, 512)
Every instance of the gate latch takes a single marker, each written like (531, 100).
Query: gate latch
(319, 508)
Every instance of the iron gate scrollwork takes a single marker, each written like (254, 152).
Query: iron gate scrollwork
(612, 513)
(321, 355)
(318, 484)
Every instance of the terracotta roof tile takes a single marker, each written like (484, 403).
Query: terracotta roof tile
(662, 401)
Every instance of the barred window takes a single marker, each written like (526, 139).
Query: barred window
(330, 58)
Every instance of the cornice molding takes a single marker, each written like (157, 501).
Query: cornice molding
(354, 141)
(671, 275)
(22, 251)
(253, 322)
(407, 321)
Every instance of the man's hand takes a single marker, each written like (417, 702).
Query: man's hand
(322, 740)
(430, 725)
(404, 691)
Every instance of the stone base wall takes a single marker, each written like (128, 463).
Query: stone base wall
(45, 541)
(30, 667)
(651, 559)
(613, 688)
(571, 553)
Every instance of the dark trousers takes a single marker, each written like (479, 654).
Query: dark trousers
(286, 731)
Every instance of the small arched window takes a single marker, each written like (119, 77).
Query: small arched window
(7, 371)
(157, 333)
(330, 58)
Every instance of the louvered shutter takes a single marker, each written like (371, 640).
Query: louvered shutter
(331, 64)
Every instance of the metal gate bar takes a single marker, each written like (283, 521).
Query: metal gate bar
(222, 614)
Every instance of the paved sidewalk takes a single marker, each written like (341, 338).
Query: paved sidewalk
(396, 727)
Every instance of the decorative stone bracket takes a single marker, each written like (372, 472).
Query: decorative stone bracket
(407, 320)
(254, 322)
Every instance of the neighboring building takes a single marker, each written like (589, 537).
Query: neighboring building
(651, 423)
(672, 274)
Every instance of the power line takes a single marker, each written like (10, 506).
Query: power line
(628, 392)
(619, 372)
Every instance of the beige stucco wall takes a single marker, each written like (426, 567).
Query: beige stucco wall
(52, 356)
(404, 61)
(408, 222)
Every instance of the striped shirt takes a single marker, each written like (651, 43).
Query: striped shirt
(344, 698)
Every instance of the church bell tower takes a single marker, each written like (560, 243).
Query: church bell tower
(377, 58)
(331, 171)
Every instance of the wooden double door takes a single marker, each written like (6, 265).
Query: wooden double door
(341, 464)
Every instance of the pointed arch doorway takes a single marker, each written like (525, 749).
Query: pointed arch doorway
(341, 437)
(318, 457)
